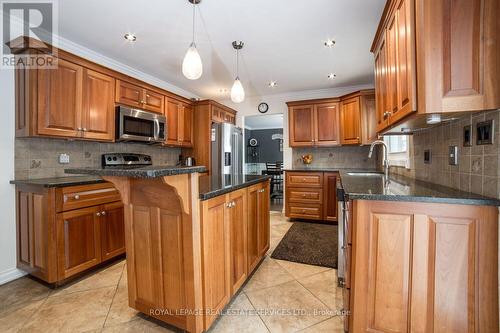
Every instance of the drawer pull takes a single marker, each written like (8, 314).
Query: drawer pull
(77, 197)
(98, 214)
(103, 213)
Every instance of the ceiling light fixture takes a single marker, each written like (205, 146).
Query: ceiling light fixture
(332, 76)
(130, 37)
(329, 43)
(237, 91)
(273, 84)
(192, 68)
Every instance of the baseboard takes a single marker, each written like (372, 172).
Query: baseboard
(10, 275)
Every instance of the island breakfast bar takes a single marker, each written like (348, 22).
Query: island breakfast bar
(167, 240)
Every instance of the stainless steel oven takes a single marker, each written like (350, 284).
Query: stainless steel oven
(139, 125)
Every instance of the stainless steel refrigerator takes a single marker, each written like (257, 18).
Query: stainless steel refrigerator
(227, 150)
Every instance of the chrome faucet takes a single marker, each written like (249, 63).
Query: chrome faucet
(386, 159)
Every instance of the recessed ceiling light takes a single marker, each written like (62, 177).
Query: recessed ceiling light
(332, 76)
(272, 84)
(130, 37)
(329, 43)
(223, 90)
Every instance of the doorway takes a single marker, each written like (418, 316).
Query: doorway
(263, 137)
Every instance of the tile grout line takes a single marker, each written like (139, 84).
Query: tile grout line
(315, 297)
(253, 306)
(34, 312)
(114, 295)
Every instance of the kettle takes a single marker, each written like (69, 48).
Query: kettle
(190, 161)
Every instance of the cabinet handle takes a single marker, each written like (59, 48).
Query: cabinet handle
(84, 129)
(98, 214)
(103, 213)
(79, 129)
(386, 114)
(261, 191)
(77, 197)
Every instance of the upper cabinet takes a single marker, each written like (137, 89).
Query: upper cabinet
(330, 122)
(180, 123)
(436, 56)
(77, 100)
(138, 97)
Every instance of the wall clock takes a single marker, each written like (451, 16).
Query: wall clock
(253, 142)
(263, 107)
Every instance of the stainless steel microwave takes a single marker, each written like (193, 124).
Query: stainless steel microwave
(139, 125)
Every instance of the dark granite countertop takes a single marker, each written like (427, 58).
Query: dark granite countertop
(59, 181)
(402, 188)
(213, 186)
(138, 172)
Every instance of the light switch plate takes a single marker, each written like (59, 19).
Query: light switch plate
(427, 156)
(63, 158)
(452, 155)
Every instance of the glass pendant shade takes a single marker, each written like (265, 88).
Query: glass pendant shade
(192, 68)
(237, 91)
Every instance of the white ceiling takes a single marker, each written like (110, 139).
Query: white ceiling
(283, 40)
(265, 121)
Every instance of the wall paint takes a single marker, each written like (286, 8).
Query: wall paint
(277, 104)
(8, 270)
(268, 150)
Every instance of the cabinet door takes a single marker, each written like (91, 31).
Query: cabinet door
(382, 113)
(330, 196)
(60, 100)
(216, 257)
(264, 226)
(392, 65)
(301, 126)
(351, 121)
(78, 241)
(172, 114)
(98, 119)
(405, 50)
(368, 119)
(112, 230)
(238, 239)
(186, 125)
(128, 94)
(153, 101)
(253, 255)
(327, 124)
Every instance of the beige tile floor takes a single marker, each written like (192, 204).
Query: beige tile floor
(281, 296)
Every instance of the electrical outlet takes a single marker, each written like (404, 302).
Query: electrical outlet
(63, 158)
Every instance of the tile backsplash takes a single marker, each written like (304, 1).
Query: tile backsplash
(477, 169)
(336, 157)
(39, 157)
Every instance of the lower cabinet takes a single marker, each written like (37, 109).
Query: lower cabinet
(311, 195)
(65, 231)
(235, 236)
(423, 267)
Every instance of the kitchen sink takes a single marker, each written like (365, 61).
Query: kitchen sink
(366, 174)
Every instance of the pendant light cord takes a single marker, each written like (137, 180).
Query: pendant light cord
(238, 63)
(194, 8)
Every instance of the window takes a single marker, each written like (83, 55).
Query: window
(398, 153)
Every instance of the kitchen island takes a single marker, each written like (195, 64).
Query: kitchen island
(187, 249)
(420, 257)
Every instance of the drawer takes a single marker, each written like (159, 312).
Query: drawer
(303, 211)
(75, 197)
(302, 179)
(305, 195)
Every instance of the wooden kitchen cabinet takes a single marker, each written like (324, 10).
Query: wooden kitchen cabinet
(59, 100)
(139, 97)
(350, 119)
(216, 257)
(264, 227)
(435, 57)
(98, 113)
(331, 122)
(311, 195)
(301, 125)
(238, 238)
(253, 253)
(78, 241)
(179, 124)
(62, 232)
(427, 265)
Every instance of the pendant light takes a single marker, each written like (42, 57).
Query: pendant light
(192, 68)
(237, 91)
